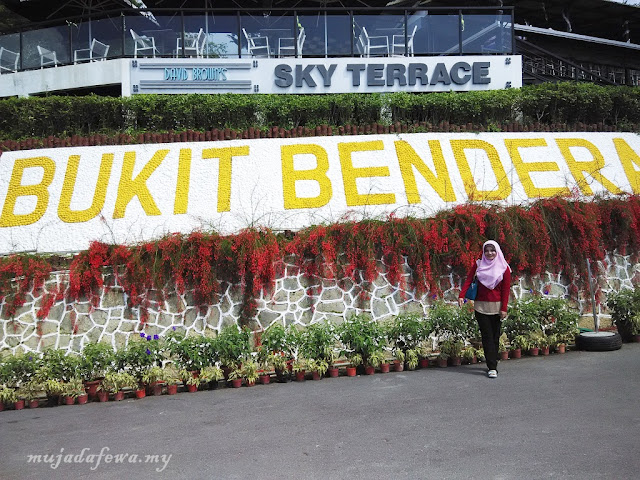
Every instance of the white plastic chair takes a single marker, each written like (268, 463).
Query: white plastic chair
(286, 46)
(397, 44)
(376, 45)
(96, 51)
(257, 46)
(47, 57)
(194, 44)
(143, 44)
(8, 60)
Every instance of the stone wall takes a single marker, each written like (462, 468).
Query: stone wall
(70, 325)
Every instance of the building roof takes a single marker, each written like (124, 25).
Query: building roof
(598, 18)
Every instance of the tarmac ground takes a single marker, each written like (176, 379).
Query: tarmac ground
(575, 415)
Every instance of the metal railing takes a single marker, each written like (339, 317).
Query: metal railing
(216, 33)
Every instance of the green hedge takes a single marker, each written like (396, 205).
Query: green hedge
(562, 103)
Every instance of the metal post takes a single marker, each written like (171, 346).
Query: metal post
(596, 323)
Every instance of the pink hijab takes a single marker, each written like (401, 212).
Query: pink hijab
(490, 273)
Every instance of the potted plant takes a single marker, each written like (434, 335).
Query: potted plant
(469, 355)
(154, 379)
(190, 381)
(517, 345)
(250, 371)
(317, 344)
(317, 367)
(453, 348)
(30, 392)
(235, 377)
(298, 368)
(109, 385)
(74, 389)
(172, 378)
(398, 363)
(443, 359)
(535, 338)
(276, 349)
(8, 397)
(233, 345)
(503, 351)
(96, 358)
(56, 368)
(405, 334)
(361, 336)
(211, 375)
(375, 360)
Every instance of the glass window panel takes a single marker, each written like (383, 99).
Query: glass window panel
(53, 40)
(486, 34)
(107, 31)
(338, 34)
(222, 36)
(12, 43)
(266, 30)
(437, 33)
(165, 30)
(315, 29)
(373, 35)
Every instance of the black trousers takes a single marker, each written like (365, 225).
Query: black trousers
(490, 326)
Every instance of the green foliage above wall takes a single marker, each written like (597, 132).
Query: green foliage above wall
(546, 104)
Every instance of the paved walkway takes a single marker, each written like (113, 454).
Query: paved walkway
(563, 416)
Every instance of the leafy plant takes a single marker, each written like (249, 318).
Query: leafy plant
(211, 373)
(233, 345)
(7, 395)
(361, 336)
(317, 365)
(97, 358)
(625, 311)
(74, 388)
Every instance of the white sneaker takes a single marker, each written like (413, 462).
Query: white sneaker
(493, 374)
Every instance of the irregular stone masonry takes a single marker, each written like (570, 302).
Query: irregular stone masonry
(295, 300)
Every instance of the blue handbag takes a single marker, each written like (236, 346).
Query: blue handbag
(472, 291)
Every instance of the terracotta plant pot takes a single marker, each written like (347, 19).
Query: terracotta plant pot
(561, 348)
(91, 387)
(155, 389)
(265, 379)
(455, 361)
(192, 388)
(504, 355)
(69, 400)
(1, 406)
(516, 353)
(398, 366)
(300, 376)
(351, 371)
(19, 405)
(474, 360)
(544, 351)
(369, 370)
(534, 351)
(251, 383)
(333, 372)
(140, 393)
(172, 389)
(118, 396)
(82, 399)
(103, 396)
(236, 382)
(423, 362)
(34, 403)
(635, 338)
(384, 368)
(315, 376)
(442, 362)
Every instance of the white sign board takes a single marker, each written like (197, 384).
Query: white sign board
(325, 75)
(61, 199)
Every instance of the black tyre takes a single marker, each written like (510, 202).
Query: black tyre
(599, 341)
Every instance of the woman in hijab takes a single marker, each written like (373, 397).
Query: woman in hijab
(494, 286)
